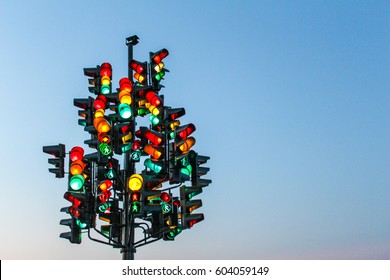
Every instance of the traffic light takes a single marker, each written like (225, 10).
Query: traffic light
(156, 149)
(135, 183)
(113, 218)
(197, 170)
(94, 81)
(124, 98)
(157, 67)
(122, 138)
(170, 221)
(105, 74)
(181, 167)
(86, 104)
(79, 170)
(140, 69)
(188, 205)
(183, 143)
(58, 151)
(74, 235)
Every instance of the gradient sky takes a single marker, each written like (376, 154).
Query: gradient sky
(290, 100)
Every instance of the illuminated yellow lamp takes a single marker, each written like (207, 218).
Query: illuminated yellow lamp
(142, 103)
(126, 139)
(101, 125)
(187, 145)
(106, 81)
(159, 66)
(140, 78)
(154, 110)
(152, 151)
(99, 113)
(174, 124)
(124, 97)
(135, 182)
(77, 167)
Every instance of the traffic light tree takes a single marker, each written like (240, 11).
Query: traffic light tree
(152, 192)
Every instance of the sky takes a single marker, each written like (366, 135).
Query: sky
(290, 100)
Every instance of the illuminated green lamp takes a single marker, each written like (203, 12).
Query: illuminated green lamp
(156, 167)
(105, 149)
(124, 111)
(76, 182)
(159, 75)
(155, 120)
(81, 224)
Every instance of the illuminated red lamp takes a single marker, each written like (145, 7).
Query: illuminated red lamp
(69, 197)
(100, 102)
(165, 197)
(182, 132)
(137, 66)
(176, 203)
(135, 196)
(154, 137)
(105, 185)
(153, 98)
(160, 55)
(106, 69)
(77, 153)
(136, 145)
(125, 84)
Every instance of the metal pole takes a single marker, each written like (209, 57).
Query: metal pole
(129, 169)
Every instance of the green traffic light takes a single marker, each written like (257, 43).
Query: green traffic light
(124, 111)
(105, 149)
(76, 182)
(154, 166)
(155, 120)
(135, 207)
(159, 75)
(81, 224)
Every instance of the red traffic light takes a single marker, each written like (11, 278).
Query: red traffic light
(182, 132)
(106, 69)
(100, 102)
(77, 153)
(154, 137)
(153, 98)
(160, 55)
(137, 66)
(165, 197)
(125, 84)
(69, 197)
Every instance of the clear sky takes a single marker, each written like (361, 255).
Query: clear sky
(290, 100)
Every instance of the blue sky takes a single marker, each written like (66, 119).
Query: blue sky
(290, 100)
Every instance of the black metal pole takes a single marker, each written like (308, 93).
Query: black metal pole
(129, 169)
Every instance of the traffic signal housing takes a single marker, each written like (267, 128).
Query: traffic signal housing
(188, 205)
(198, 170)
(58, 151)
(140, 69)
(74, 235)
(157, 67)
